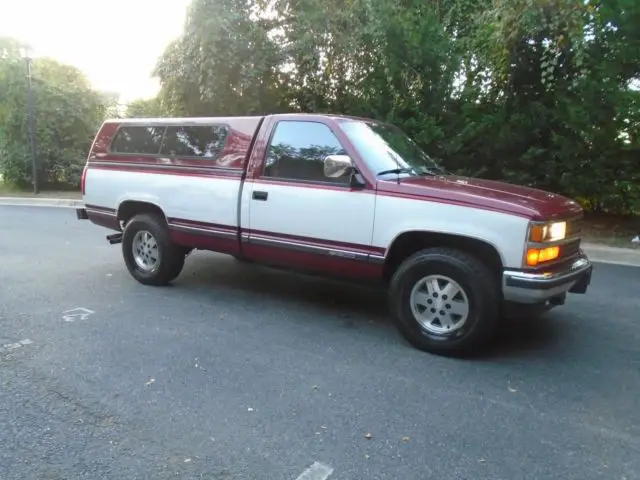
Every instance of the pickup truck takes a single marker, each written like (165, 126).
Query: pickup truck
(347, 197)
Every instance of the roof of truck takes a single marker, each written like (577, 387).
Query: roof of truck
(179, 119)
(205, 120)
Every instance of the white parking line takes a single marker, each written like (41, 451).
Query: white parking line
(79, 313)
(317, 471)
(7, 347)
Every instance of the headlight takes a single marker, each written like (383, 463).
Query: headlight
(550, 232)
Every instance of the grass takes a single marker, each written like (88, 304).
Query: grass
(605, 229)
(10, 191)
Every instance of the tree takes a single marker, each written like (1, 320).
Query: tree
(564, 70)
(146, 108)
(537, 92)
(68, 112)
(224, 63)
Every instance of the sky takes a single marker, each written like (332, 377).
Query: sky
(115, 43)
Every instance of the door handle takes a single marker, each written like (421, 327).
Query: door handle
(259, 195)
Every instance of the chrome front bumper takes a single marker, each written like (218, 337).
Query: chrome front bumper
(525, 287)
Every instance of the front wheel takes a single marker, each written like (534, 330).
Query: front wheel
(445, 301)
(149, 254)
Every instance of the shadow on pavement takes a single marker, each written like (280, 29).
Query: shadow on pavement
(524, 337)
(356, 306)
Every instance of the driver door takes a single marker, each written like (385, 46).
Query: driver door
(301, 218)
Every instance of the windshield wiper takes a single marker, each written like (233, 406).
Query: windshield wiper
(397, 171)
(431, 171)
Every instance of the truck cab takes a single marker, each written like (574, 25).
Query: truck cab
(341, 196)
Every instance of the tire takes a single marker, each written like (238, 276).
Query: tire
(177, 267)
(169, 258)
(479, 291)
(181, 256)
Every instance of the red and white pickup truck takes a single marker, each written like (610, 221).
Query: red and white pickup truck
(343, 196)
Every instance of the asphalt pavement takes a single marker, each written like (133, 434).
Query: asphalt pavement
(242, 372)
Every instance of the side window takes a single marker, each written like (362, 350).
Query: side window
(203, 141)
(138, 139)
(298, 149)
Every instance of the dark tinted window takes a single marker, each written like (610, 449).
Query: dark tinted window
(298, 149)
(195, 141)
(138, 139)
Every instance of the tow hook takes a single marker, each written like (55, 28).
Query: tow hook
(557, 300)
(115, 238)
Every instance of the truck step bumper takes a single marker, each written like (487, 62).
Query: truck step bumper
(526, 287)
(81, 213)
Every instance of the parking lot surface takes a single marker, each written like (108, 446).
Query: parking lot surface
(242, 372)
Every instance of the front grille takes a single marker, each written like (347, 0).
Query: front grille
(570, 249)
(574, 227)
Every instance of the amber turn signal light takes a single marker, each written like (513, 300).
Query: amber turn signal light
(536, 256)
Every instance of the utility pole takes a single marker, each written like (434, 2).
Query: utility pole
(32, 125)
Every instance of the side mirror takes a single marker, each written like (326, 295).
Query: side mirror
(336, 166)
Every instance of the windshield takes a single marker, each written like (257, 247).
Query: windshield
(386, 148)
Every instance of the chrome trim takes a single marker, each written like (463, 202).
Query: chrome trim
(305, 247)
(104, 213)
(344, 254)
(537, 287)
(284, 243)
(377, 259)
(204, 231)
(556, 243)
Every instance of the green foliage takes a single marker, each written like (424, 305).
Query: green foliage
(528, 91)
(537, 92)
(224, 64)
(68, 113)
(146, 108)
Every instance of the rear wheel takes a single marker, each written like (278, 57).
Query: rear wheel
(445, 301)
(149, 254)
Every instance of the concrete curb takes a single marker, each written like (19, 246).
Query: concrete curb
(596, 253)
(614, 255)
(40, 202)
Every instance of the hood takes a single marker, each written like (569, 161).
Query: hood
(498, 196)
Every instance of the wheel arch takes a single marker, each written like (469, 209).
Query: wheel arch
(127, 209)
(409, 242)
